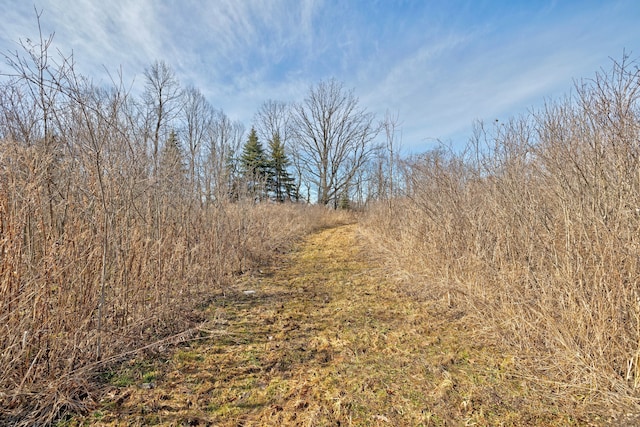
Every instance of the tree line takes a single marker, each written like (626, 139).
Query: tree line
(323, 146)
(322, 149)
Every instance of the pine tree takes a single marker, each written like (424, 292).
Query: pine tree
(254, 165)
(281, 182)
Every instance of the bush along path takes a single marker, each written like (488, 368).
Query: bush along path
(326, 339)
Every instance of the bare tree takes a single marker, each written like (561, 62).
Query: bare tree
(390, 125)
(222, 143)
(273, 118)
(197, 115)
(333, 136)
(162, 95)
(39, 77)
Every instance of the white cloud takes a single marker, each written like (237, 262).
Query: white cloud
(440, 67)
(486, 73)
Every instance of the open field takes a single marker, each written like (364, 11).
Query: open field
(328, 337)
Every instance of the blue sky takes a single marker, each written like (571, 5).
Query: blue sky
(438, 64)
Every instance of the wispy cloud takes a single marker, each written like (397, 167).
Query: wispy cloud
(100, 34)
(495, 68)
(439, 65)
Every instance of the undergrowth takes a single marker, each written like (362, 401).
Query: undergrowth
(60, 326)
(329, 337)
(534, 231)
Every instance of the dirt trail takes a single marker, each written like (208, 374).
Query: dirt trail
(323, 338)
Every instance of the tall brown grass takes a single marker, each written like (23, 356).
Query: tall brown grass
(76, 294)
(104, 248)
(534, 230)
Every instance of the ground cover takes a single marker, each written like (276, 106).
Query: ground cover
(326, 337)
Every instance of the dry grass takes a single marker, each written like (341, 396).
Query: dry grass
(327, 339)
(68, 308)
(120, 218)
(534, 232)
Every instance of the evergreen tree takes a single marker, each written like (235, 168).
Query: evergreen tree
(281, 182)
(254, 164)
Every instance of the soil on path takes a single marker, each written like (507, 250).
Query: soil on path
(325, 338)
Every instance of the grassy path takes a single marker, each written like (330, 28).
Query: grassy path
(324, 339)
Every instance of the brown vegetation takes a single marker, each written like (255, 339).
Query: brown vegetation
(123, 218)
(72, 303)
(112, 235)
(535, 231)
(327, 337)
